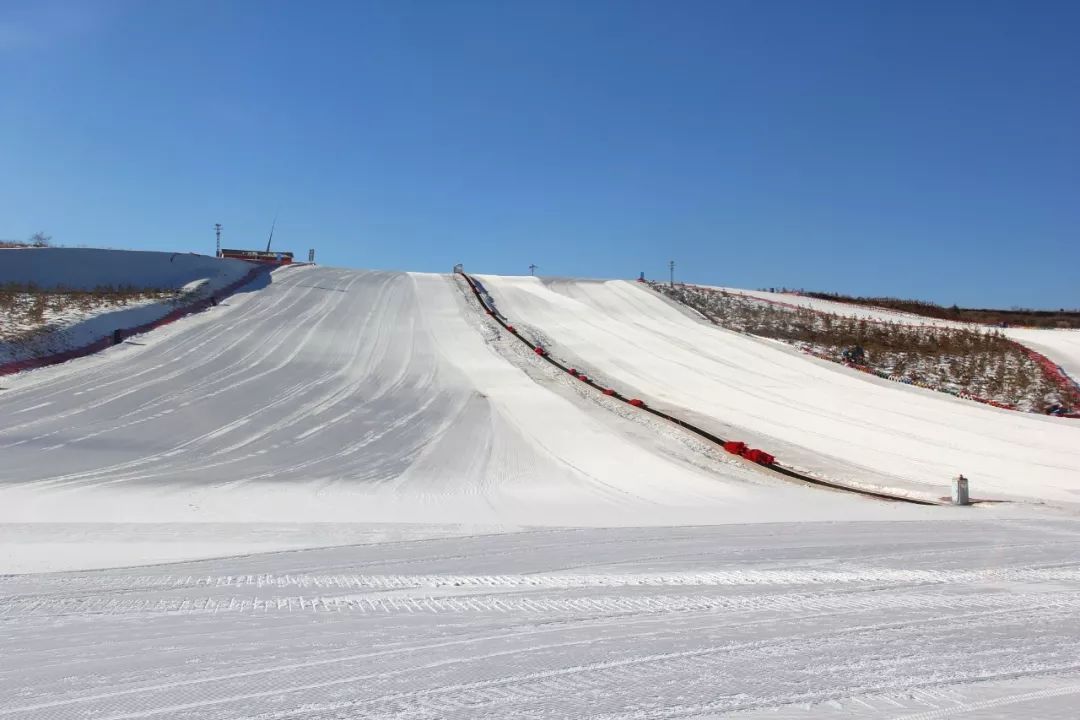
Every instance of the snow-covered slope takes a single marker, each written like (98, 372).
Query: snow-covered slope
(1061, 346)
(378, 398)
(839, 308)
(89, 269)
(813, 413)
(351, 396)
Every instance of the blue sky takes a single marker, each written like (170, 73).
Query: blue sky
(904, 148)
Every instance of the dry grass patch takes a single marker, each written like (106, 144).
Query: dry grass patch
(977, 361)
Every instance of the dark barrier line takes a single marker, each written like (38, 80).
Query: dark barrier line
(118, 335)
(771, 464)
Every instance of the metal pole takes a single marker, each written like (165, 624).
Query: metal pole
(271, 238)
(217, 232)
(671, 266)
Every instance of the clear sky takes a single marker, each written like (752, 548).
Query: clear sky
(917, 149)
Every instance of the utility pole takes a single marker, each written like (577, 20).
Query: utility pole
(533, 268)
(217, 232)
(671, 267)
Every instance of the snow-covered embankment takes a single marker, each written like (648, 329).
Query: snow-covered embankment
(177, 281)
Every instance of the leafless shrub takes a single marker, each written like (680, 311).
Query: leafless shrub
(974, 360)
(27, 310)
(1061, 318)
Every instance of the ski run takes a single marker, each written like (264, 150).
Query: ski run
(342, 494)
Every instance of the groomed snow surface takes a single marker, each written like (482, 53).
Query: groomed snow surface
(915, 620)
(809, 412)
(506, 542)
(337, 395)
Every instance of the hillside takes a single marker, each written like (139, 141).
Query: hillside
(1062, 318)
(815, 414)
(58, 299)
(336, 395)
(963, 360)
(357, 493)
(1062, 347)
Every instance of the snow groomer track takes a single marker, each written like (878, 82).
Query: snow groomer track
(350, 396)
(889, 621)
(364, 498)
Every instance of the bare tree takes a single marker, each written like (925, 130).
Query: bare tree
(40, 239)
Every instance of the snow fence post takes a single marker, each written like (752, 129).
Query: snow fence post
(960, 491)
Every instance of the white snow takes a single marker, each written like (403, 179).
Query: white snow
(1061, 346)
(868, 312)
(833, 420)
(496, 540)
(353, 396)
(66, 324)
(87, 269)
(810, 620)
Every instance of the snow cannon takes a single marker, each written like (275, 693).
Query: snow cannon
(637, 403)
(609, 392)
(583, 378)
(573, 371)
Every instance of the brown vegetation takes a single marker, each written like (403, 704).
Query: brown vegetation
(985, 316)
(37, 240)
(28, 310)
(978, 361)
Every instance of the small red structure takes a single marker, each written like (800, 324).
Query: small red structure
(512, 329)
(609, 392)
(759, 456)
(574, 372)
(268, 257)
(637, 403)
(539, 351)
(583, 378)
(735, 447)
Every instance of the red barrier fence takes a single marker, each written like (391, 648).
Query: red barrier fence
(100, 344)
(759, 456)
